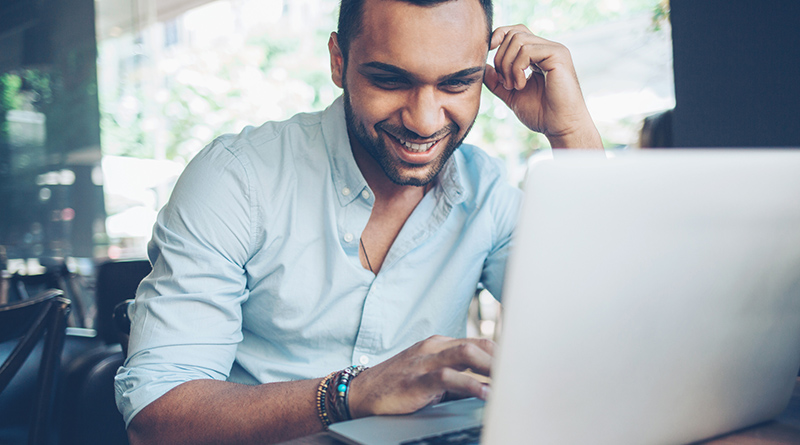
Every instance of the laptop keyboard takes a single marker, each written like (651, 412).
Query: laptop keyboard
(461, 437)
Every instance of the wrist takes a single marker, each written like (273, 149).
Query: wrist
(333, 395)
(585, 136)
(356, 400)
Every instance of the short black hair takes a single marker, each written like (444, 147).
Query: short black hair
(351, 12)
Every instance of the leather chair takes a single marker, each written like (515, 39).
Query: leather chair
(117, 281)
(89, 412)
(25, 323)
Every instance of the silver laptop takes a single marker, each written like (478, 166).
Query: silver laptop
(652, 297)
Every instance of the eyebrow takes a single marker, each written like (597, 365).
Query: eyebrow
(397, 70)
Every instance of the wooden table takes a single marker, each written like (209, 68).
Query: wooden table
(784, 429)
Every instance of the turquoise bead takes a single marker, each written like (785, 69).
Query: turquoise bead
(342, 387)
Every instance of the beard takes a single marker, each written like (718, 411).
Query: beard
(397, 169)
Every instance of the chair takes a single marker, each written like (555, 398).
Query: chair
(28, 321)
(122, 322)
(92, 415)
(56, 276)
(116, 282)
(89, 412)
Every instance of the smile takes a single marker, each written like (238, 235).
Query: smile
(417, 148)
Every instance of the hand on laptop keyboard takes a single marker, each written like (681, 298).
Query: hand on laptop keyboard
(421, 376)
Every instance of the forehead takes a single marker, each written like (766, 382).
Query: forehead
(449, 36)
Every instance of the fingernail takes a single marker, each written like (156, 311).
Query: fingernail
(486, 391)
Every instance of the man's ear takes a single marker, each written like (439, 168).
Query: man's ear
(337, 61)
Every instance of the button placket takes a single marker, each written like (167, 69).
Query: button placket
(369, 330)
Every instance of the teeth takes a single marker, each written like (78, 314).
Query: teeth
(417, 148)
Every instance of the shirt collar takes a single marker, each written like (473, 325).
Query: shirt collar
(452, 182)
(347, 177)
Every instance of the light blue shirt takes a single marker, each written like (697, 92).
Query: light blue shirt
(256, 274)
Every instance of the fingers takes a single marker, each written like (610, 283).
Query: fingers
(451, 358)
(472, 354)
(456, 383)
(459, 354)
(521, 54)
(455, 357)
(497, 37)
(421, 375)
(492, 81)
(537, 80)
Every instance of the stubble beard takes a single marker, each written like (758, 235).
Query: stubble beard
(393, 168)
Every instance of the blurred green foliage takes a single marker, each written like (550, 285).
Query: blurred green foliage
(293, 76)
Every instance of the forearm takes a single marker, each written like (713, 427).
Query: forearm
(211, 411)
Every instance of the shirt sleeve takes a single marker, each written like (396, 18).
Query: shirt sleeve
(505, 202)
(187, 318)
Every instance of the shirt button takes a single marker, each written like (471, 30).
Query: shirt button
(348, 237)
(346, 191)
(365, 194)
(363, 359)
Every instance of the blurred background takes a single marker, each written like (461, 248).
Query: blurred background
(120, 119)
(103, 102)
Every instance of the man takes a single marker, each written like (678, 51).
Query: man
(352, 236)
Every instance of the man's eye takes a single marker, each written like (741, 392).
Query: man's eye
(389, 82)
(456, 85)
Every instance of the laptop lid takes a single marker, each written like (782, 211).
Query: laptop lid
(653, 297)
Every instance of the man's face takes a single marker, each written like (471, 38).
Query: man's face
(412, 84)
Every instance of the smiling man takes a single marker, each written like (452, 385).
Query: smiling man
(350, 237)
(412, 108)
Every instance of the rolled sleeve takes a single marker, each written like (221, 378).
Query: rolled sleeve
(186, 321)
(137, 386)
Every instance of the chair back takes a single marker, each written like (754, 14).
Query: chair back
(116, 282)
(55, 276)
(122, 322)
(89, 413)
(27, 322)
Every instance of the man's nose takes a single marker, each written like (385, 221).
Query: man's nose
(424, 113)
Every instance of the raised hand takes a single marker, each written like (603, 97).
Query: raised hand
(536, 79)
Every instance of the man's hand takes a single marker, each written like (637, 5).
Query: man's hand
(421, 375)
(536, 79)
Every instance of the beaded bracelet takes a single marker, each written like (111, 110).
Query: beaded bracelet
(332, 395)
(322, 410)
(335, 412)
(343, 389)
